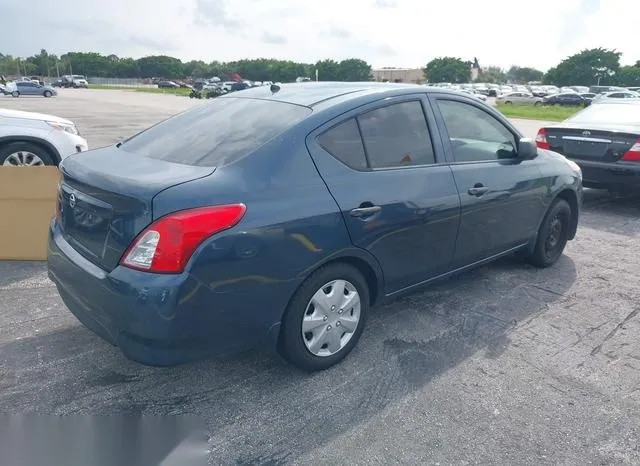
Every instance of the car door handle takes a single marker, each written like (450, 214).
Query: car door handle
(365, 211)
(478, 190)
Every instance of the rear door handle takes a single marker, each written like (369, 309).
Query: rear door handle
(478, 190)
(365, 211)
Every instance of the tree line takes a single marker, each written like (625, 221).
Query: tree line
(161, 66)
(586, 68)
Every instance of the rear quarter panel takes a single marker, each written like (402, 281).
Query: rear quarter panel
(291, 227)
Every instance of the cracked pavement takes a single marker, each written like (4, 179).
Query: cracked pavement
(505, 364)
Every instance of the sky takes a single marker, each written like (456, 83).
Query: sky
(394, 33)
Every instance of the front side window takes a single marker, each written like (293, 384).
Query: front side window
(396, 135)
(475, 135)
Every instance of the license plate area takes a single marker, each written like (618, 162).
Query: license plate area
(580, 147)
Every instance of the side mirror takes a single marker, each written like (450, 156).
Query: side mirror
(527, 149)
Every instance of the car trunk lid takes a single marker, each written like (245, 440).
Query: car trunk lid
(105, 199)
(598, 143)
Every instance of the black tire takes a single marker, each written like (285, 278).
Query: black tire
(47, 93)
(15, 94)
(12, 148)
(291, 344)
(507, 102)
(537, 104)
(553, 235)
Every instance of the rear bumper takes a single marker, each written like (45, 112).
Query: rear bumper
(624, 176)
(150, 317)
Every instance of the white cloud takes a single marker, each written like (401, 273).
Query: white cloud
(383, 32)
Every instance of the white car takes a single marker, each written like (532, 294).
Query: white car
(37, 139)
(471, 92)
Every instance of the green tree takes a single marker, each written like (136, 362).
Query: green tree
(354, 69)
(586, 68)
(447, 69)
(197, 69)
(10, 65)
(160, 66)
(522, 75)
(629, 75)
(43, 64)
(328, 70)
(492, 74)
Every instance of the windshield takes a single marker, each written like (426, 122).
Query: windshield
(617, 114)
(217, 133)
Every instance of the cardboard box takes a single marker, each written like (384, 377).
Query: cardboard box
(27, 205)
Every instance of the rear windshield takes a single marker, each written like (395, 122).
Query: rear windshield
(617, 114)
(217, 133)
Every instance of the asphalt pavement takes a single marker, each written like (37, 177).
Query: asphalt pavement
(506, 364)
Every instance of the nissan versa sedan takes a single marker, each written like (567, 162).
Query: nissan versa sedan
(604, 140)
(198, 236)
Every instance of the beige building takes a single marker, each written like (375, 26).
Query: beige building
(399, 75)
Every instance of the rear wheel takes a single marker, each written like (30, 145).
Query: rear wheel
(325, 318)
(553, 235)
(537, 104)
(24, 154)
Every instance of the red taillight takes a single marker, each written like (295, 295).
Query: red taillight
(633, 154)
(166, 245)
(541, 139)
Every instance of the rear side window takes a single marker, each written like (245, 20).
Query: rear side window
(344, 143)
(396, 136)
(217, 133)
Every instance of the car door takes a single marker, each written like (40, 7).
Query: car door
(27, 88)
(384, 165)
(501, 195)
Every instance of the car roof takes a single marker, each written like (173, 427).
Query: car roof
(311, 94)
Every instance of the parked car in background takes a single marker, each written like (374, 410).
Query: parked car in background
(76, 81)
(474, 93)
(566, 99)
(603, 89)
(32, 88)
(505, 90)
(287, 233)
(615, 95)
(494, 90)
(604, 140)
(168, 85)
(588, 97)
(36, 139)
(580, 89)
(537, 91)
(524, 98)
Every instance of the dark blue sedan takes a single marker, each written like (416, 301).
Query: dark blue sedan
(276, 217)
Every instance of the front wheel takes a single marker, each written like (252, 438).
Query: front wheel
(24, 154)
(537, 104)
(47, 93)
(325, 318)
(553, 235)
(15, 94)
